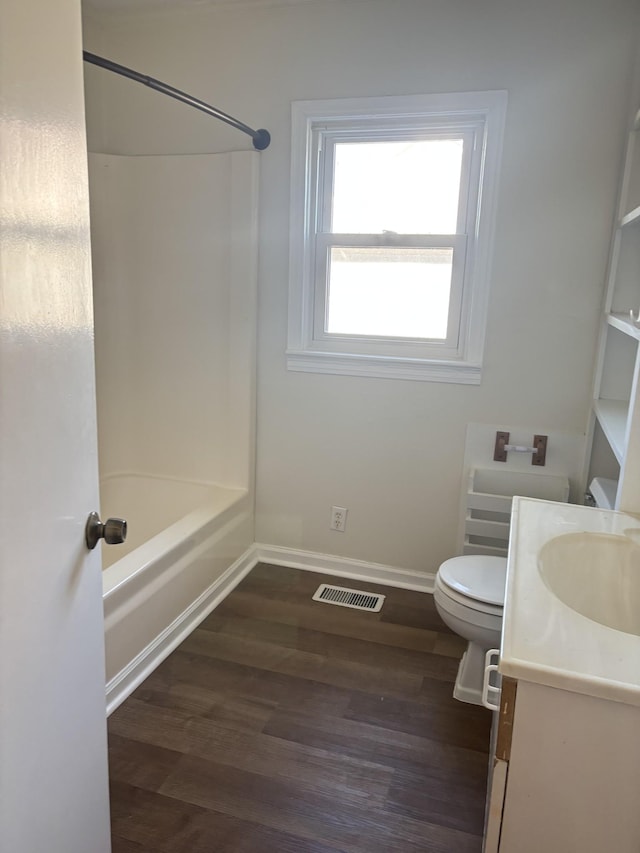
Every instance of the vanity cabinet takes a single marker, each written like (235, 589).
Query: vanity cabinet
(499, 756)
(566, 773)
(615, 425)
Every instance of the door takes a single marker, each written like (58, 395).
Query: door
(53, 771)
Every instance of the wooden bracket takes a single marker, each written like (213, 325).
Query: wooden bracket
(499, 451)
(540, 443)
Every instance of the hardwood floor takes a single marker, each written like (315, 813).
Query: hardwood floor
(284, 725)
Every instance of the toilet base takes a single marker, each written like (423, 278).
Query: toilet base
(468, 686)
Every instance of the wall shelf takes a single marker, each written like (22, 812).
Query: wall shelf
(624, 324)
(631, 218)
(612, 416)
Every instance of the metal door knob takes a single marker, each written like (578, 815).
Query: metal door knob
(113, 531)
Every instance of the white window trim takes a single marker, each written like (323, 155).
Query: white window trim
(309, 352)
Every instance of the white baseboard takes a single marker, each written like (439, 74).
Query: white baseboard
(345, 567)
(126, 681)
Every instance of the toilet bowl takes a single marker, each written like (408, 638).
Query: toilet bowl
(469, 596)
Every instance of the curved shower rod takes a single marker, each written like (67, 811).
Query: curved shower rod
(261, 138)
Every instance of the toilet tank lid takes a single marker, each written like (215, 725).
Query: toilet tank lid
(479, 577)
(604, 492)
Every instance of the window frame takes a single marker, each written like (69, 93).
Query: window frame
(317, 127)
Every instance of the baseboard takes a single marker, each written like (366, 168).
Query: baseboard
(345, 567)
(126, 681)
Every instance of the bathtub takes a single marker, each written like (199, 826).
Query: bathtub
(186, 548)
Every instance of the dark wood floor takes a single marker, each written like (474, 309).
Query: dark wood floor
(284, 725)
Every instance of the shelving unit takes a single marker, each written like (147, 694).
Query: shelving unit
(488, 505)
(616, 408)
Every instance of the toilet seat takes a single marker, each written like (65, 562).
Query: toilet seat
(459, 603)
(477, 581)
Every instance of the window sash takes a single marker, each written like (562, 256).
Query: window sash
(325, 141)
(449, 347)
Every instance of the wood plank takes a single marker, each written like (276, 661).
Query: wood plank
(450, 645)
(147, 734)
(179, 827)
(229, 678)
(444, 720)
(409, 796)
(288, 725)
(329, 619)
(285, 806)
(302, 584)
(316, 667)
(145, 765)
(123, 845)
(421, 617)
(392, 749)
(355, 650)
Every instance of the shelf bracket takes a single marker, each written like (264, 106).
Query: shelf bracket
(500, 449)
(540, 456)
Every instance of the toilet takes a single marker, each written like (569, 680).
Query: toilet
(469, 596)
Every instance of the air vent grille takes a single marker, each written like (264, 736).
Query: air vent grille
(355, 598)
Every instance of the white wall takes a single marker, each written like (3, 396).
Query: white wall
(166, 235)
(392, 451)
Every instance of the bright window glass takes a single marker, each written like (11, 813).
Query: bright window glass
(389, 292)
(409, 187)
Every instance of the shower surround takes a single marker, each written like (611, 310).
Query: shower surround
(174, 265)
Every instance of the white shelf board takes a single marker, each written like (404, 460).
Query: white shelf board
(624, 323)
(631, 218)
(612, 417)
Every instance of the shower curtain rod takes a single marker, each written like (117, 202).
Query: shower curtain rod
(261, 138)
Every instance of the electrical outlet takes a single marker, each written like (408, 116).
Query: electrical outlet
(338, 518)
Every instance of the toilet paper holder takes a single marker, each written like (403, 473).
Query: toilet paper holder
(502, 448)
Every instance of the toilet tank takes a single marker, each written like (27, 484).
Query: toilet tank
(604, 492)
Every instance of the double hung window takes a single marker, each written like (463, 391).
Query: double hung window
(392, 202)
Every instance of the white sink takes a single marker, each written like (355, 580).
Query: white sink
(572, 605)
(597, 575)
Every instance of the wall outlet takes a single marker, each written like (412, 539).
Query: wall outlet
(338, 518)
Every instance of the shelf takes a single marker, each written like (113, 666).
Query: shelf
(631, 218)
(615, 443)
(624, 323)
(612, 417)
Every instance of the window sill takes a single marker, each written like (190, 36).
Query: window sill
(384, 367)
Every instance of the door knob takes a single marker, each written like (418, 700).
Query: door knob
(113, 531)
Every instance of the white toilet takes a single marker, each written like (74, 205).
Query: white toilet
(469, 596)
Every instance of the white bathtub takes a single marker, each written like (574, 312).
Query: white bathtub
(183, 553)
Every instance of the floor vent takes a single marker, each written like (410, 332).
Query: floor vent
(344, 597)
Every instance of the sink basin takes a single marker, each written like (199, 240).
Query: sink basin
(597, 575)
(572, 601)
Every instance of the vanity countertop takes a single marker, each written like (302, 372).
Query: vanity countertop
(543, 639)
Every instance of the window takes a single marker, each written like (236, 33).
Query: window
(392, 204)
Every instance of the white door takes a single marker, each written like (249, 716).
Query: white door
(53, 772)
